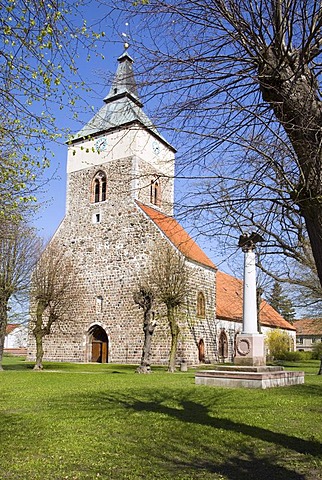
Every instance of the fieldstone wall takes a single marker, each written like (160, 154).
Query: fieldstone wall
(111, 244)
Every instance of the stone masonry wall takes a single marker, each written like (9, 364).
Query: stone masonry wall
(111, 256)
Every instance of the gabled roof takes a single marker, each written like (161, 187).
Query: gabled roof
(177, 236)
(122, 106)
(308, 326)
(11, 327)
(229, 303)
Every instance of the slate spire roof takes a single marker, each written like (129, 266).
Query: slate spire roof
(122, 106)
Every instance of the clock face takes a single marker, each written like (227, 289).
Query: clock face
(156, 148)
(101, 144)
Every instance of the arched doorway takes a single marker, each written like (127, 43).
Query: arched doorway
(99, 344)
(223, 345)
(201, 350)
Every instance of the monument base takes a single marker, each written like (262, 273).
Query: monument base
(248, 377)
(250, 349)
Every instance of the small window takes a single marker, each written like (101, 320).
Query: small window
(155, 193)
(96, 218)
(99, 188)
(99, 304)
(313, 340)
(300, 340)
(201, 305)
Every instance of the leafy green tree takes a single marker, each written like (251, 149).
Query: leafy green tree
(39, 48)
(281, 303)
(278, 343)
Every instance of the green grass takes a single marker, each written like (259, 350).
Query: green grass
(106, 422)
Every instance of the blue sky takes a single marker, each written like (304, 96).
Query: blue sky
(96, 73)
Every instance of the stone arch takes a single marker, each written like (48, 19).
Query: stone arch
(97, 344)
(223, 345)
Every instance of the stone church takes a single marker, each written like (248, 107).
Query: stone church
(119, 210)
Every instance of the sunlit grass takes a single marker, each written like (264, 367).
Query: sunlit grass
(94, 421)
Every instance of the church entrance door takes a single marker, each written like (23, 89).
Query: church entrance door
(99, 341)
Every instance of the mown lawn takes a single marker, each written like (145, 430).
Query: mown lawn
(106, 422)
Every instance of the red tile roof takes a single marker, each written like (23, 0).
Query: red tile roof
(11, 327)
(308, 326)
(229, 303)
(177, 235)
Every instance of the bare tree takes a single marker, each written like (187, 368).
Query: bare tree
(19, 247)
(53, 296)
(144, 297)
(242, 78)
(169, 279)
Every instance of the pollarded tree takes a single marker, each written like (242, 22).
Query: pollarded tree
(243, 82)
(169, 277)
(144, 298)
(19, 247)
(54, 294)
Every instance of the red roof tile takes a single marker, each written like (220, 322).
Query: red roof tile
(177, 235)
(229, 303)
(308, 326)
(11, 327)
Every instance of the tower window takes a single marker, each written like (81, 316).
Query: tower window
(99, 187)
(201, 305)
(155, 193)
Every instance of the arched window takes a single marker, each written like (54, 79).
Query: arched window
(98, 189)
(223, 345)
(201, 305)
(155, 193)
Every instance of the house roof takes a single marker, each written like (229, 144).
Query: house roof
(229, 303)
(308, 326)
(177, 235)
(11, 327)
(122, 106)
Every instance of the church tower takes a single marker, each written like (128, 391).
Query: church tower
(126, 155)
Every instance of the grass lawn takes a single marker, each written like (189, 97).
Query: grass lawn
(106, 422)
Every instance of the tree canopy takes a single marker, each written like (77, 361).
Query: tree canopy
(39, 47)
(239, 82)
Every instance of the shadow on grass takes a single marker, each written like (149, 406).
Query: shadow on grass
(193, 412)
(245, 466)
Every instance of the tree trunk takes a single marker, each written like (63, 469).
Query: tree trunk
(174, 328)
(320, 369)
(3, 326)
(38, 334)
(290, 87)
(149, 326)
(39, 351)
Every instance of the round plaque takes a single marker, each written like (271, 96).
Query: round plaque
(243, 346)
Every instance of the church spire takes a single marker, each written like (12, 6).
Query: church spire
(124, 84)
